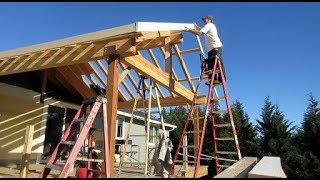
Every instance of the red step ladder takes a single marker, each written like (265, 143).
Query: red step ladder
(74, 137)
(210, 109)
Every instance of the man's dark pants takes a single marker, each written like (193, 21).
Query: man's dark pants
(211, 60)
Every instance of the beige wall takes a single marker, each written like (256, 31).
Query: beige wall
(20, 107)
(15, 115)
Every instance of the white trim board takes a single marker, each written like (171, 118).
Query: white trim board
(98, 35)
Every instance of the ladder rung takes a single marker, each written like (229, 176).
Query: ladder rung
(211, 71)
(220, 111)
(226, 152)
(224, 166)
(80, 120)
(186, 161)
(88, 159)
(217, 84)
(218, 98)
(222, 125)
(189, 146)
(225, 139)
(68, 142)
(53, 166)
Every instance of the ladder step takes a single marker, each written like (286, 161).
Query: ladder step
(89, 160)
(225, 139)
(68, 142)
(217, 84)
(80, 120)
(218, 98)
(224, 166)
(220, 111)
(186, 161)
(222, 125)
(55, 167)
(226, 152)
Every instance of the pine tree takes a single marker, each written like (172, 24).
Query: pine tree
(276, 139)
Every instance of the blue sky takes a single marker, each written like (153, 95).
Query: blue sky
(269, 48)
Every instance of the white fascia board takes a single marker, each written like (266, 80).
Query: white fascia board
(141, 118)
(162, 26)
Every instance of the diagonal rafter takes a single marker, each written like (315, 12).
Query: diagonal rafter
(184, 67)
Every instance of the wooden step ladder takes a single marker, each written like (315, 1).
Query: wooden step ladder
(81, 128)
(147, 117)
(212, 111)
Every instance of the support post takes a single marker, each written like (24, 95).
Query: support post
(185, 153)
(168, 55)
(196, 129)
(26, 151)
(112, 96)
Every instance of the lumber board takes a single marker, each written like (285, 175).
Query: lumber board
(239, 169)
(143, 66)
(26, 151)
(168, 101)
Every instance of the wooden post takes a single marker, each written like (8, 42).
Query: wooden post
(196, 129)
(185, 153)
(112, 96)
(26, 151)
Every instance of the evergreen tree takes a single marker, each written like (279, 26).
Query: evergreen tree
(276, 139)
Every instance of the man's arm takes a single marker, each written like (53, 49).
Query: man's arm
(195, 32)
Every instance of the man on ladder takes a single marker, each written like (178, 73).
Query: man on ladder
(213, 43)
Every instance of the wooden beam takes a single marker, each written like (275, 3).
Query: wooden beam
(185, 153)
(159, 42)
(75, 81)
(168, 101)
(143, 66)
(184, 67)
(131, 79)
(105, 71)
(112, 96)
(155, 61)
(173, 72)
(168, 55)
(26, 151)
(124, 74)
(188, 51)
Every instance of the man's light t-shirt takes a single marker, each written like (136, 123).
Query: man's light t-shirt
(211, 36)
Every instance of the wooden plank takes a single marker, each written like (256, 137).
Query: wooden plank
(173, 72)
(11, 62)
(42, 56)
(168, 101)
(159, 42)
(143, 66)
(239, 169)
(26, 151)
(112, 96)
(184, 67)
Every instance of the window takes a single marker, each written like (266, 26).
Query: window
(153, 134)
(119, 130)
